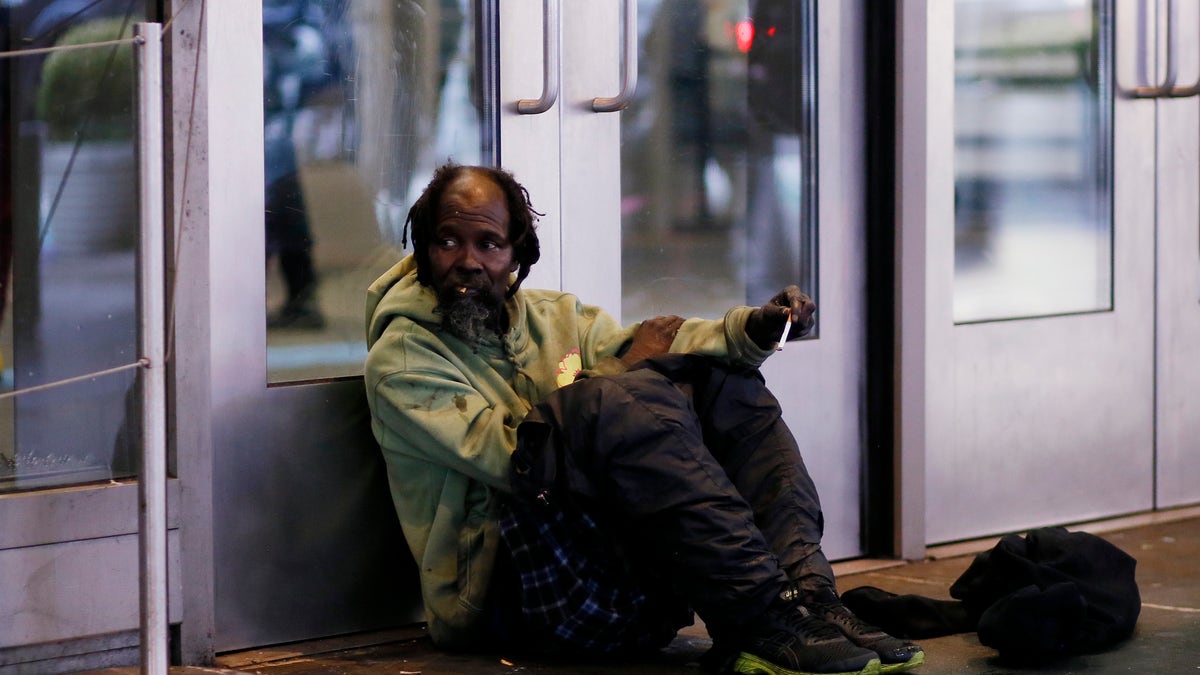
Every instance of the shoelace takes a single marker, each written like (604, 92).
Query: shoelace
(844, 615)
(805, 623)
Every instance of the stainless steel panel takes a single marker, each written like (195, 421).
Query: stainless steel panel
(1178, 308)
(529, 144)
(83, 512)
(79, 588)
(69, 656)
(590, 155)
(924, 201)
(822, 390)
(307, 543)
(189, 396)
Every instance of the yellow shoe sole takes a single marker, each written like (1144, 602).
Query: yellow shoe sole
(915, 661)
(749, 664)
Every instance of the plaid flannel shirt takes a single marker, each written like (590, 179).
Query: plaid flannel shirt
(576, 587)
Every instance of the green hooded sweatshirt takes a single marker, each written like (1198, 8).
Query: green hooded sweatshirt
(446, 417)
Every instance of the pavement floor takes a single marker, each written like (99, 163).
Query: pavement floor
(1166, 640)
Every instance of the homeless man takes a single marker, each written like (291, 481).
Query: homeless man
(653, 473)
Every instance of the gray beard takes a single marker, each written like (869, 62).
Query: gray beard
(470, 319)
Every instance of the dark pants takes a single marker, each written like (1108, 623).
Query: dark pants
(289, 237)
(692, 463)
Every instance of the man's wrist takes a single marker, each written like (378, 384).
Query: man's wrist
(757, 330)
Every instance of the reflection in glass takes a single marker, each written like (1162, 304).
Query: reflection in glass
(68, 213)
(1033, 232)
(362, 100)
(718, 157)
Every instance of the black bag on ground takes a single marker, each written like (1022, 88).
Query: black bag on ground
(1052, 593)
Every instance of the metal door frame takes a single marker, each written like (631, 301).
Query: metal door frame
(1177, 308)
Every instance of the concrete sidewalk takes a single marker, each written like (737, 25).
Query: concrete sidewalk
(1167, 639)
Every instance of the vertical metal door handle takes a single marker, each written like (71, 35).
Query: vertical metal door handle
(551, 46)
(1173, 61)
(1167, 88)
(629, 64)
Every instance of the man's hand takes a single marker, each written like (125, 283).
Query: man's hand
(765, 325)
(652, 337)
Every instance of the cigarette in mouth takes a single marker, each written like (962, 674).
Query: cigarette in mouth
(461, 290)
(787, 328)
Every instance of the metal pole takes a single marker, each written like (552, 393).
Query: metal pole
(152, 486)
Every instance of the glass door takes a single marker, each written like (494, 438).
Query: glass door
(348, 106)
(1037, 289)
(705, 192)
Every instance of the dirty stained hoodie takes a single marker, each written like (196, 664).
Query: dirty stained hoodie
(445, 415)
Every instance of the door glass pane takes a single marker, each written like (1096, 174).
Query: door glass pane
(362, 100)
(68, 223)
(1033, 168)
(718, 157)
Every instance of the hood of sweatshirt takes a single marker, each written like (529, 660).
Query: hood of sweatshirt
(398, 293)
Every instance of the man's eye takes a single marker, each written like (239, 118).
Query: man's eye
(447, 243)
(490, 245)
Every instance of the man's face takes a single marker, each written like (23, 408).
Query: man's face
(470, 256)
(470, 253)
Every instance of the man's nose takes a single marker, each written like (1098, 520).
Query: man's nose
(469, 260)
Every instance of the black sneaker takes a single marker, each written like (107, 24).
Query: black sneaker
(789, 640)
(895, 655)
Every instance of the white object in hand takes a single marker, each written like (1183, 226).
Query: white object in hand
(787, 328)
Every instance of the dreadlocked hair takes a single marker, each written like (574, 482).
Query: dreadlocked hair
(522, 234)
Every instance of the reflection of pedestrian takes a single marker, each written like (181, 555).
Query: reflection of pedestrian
(700, 116)
(294, 62)
(289, 239)
(683, 112)
(777, 107)
(775, 85)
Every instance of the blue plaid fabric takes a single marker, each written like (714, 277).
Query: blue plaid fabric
(576, 588)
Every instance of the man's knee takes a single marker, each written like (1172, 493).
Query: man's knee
(596, 416)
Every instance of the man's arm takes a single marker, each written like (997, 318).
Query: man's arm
(424, 408)
(748, 335)
(745, 336)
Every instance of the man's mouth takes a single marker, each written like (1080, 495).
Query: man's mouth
(463, 286)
